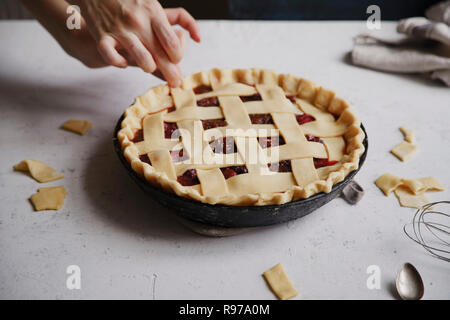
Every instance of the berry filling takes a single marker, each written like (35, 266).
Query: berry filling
(202, 89)
(171, 109)
(282, 166)
(145, 158)
(255, 97)
(312, 138)
(179, 155)
(171, 130)
(213, 123)
(261, 118)
(291, 97)
(323, 162)
(208, 102)
(138, 136)
(304, 118)
(188, 178)
(267, 142)
(224, 145)
(232, 171)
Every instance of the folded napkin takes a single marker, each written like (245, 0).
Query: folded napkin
(425, 48)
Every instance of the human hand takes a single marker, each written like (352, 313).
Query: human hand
(134, 32)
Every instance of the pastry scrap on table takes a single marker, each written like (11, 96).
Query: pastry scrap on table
(51, 198)
(40, 171)
(410, 192)
(78, 126)
(279, 282)
(406, 149)
(408, 134)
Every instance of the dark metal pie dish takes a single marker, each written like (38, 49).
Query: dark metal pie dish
(235, 216)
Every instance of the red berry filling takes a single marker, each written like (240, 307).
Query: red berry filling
(232, 171)
(188, 178)
(312, 138)
(291, 97)
(179, 155)
(261, 118)
(202, 89)
(224, 145)
(254, 97)
(138, 136)
(282, 166)
(171, 130)
(171, 109)
(213, 123)
(304, 118)
(323, 162)
(267, 142)
(145, 158)
(208, 102)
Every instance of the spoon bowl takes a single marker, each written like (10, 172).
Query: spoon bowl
(409, 283)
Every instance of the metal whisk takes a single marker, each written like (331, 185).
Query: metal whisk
(431, 229)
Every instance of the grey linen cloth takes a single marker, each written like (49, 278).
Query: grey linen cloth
(425, 48)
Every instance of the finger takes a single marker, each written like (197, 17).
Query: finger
(170, 71)
(167, 68)
(107, 49)
(182, 38)
(168, 38)
(138, 52)
(158, 74)
(181, 17)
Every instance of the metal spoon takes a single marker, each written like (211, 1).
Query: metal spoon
(409, 283)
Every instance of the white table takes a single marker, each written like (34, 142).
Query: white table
(127, 246)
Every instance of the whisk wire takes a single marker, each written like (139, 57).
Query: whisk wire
(423, 222)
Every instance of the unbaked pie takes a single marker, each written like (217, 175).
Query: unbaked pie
(242, 137)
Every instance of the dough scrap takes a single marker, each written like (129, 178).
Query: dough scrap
(279, 282)
(51, 198)
(431, 184)
(410, 192)
(410, 200)
(40, 171)
(404, 150)
(388, 183)
(77, 126)
(408, 134)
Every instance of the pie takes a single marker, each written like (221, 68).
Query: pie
(242, 137)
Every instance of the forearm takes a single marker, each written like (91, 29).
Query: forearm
(52, 14)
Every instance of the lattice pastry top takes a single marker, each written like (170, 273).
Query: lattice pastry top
(242, 137)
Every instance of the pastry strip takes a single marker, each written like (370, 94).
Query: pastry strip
(162, 162)
(408, 134)
(51, 198)
(78, 126)
(39, 170)
(279, 282)
(404, 150)
(410, 200)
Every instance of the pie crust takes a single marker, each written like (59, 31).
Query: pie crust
(234, 100)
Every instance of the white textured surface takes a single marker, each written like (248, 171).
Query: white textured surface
(122, 240)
